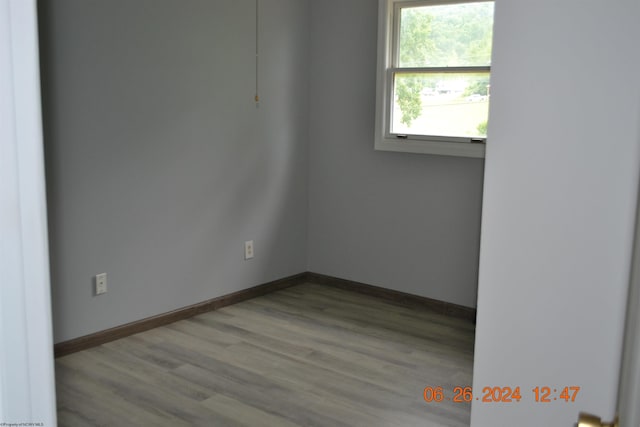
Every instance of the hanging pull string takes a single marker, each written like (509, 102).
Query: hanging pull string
(257, 97)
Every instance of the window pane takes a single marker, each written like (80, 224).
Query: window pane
(455, 35)
(451, 104)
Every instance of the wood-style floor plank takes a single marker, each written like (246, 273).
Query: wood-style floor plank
(310, 355)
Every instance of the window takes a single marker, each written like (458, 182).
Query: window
(434, 62)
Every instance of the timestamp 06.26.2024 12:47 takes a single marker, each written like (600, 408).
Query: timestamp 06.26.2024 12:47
(496, 394)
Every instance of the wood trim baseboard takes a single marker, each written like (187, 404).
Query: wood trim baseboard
(112, 334)
(102, 337)
(442, 307)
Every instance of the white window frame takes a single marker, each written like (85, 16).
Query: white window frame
(386, 141)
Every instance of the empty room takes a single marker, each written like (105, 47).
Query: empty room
(319, 213)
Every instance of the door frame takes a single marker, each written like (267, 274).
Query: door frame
(629, 391)
(27, 386)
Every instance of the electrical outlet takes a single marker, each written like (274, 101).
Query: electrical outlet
(248, 249)
(101, 284)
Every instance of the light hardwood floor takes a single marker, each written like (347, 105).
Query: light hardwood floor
(309, 355)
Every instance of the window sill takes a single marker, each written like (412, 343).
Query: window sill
(457, 149)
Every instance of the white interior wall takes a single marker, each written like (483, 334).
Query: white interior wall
(560, 193)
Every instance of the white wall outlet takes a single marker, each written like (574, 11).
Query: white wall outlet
(248, 249)
(101, 284)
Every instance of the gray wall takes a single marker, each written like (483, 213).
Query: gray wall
(408, 222)
(159, 165)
